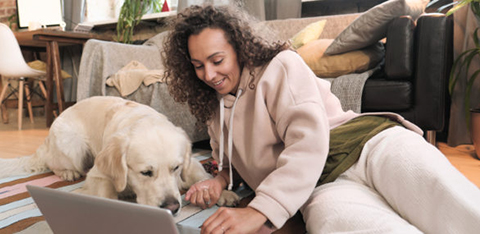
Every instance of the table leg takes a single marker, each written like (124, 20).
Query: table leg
(21, 83)
(49, 84)
(4, 104)
(58, 76)
(29, 96)
(54, 72)
(4, 113)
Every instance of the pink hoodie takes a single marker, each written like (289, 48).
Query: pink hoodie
(280, 136)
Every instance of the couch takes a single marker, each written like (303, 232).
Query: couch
(411, 81)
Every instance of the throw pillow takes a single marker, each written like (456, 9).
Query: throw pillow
(371, 26)
(42, 66)
(330, 66)
(309, 33)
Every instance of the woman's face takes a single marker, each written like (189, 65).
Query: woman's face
(215, 60)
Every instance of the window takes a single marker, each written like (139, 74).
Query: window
(46, 12)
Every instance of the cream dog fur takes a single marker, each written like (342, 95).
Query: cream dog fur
(126, 148)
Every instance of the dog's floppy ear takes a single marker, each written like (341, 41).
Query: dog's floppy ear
(112, 162)
(186, 160)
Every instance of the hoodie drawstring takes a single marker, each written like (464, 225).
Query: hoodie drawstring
(230, 137)
(221, 148)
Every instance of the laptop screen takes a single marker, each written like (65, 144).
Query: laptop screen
(67, 212)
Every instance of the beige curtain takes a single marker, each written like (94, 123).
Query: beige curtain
(261, 9)
(254, 7)
(464, 25)
(273, 9)
(282, 9)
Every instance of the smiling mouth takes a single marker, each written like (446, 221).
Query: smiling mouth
(218, 82)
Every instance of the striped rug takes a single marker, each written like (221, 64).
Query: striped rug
(18, 212)
(17, 209)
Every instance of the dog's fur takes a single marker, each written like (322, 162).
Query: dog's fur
(133, 150)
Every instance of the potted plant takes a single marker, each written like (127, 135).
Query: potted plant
(130, 16)
(12, 19)
(460, 69)
(475, 129)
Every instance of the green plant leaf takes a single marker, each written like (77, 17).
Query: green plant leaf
(458, 67)
(457, 6)
(130, 16)
(11, 20)
(475, 38)
(468, 92)
(464, 59)
(475, 7)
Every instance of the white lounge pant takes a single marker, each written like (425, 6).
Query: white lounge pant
(401, 184)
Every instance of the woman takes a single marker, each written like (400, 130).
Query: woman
(285, 134)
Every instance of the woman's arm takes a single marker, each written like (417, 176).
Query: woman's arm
(297, 104)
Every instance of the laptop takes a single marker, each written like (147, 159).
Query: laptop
(67, 212)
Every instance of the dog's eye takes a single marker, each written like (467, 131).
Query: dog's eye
(148, 173)
(176, 168)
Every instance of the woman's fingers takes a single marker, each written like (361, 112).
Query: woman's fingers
(198, 201)
(201, 198)
(234, 220)
(190, 192)
(213, 196)
(214, 223)
(206, 197)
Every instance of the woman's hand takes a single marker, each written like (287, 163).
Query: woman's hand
(234, 220)
(206, 193)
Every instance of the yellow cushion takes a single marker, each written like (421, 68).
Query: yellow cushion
(309, 33)
(330, 66)
(42, 66)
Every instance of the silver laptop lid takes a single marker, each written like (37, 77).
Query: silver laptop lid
(67, 212)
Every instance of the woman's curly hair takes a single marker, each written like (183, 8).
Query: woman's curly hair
(183, 84)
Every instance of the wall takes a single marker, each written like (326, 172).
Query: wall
(7, 8)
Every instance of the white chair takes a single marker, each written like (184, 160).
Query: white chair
(13, 66)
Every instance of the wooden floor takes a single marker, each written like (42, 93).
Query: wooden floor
(14, 143)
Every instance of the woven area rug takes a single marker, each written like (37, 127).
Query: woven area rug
(19, 214)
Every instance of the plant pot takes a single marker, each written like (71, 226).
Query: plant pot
(475, 130)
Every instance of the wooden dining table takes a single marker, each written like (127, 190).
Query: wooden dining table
(51, 40)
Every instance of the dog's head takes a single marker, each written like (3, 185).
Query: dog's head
(152, 161)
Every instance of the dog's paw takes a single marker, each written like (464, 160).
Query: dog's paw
(228, 198)
(68, 175)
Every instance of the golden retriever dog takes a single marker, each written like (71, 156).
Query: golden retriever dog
(123, 148)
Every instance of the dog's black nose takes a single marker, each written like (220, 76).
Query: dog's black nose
(172, 204)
